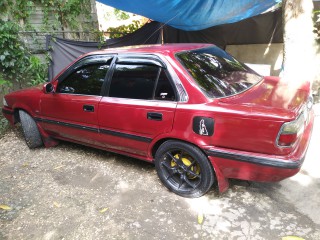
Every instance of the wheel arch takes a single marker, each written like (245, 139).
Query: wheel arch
(221, 181)
(17, 107)
(16, 114)
(158, 143)
(47, 140)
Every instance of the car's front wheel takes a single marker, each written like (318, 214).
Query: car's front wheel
(184, 169)
(30, 130)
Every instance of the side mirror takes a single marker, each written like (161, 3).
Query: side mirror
(48, 88)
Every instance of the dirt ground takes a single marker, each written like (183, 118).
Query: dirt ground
(75, 192)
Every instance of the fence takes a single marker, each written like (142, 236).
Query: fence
(36, 41)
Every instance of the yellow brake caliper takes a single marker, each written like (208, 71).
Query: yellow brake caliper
(195, 168)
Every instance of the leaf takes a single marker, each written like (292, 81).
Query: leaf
(292, 238)
(5, 207)
(25, 164)
(103, 210)
(60, 166)
(200, 218)
(56, 204)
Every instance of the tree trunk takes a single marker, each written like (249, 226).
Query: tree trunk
(299, 42)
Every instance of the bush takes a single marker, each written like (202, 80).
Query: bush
(124, 29)
(4, 124)
(18, 68)
(17, 65)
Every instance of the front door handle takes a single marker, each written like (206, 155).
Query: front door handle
(154, 116)
(88, 108)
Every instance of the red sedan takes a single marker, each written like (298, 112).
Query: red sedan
(199, 114)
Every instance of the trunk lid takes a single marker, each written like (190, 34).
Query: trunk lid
(272, 98)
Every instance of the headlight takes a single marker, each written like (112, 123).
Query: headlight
(5, 102)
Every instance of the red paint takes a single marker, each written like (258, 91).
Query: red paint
(247, 123)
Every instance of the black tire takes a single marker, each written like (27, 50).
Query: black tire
(30, 130)
(184, 169)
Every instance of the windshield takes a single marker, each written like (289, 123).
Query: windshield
(217, 73)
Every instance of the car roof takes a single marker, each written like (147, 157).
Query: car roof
(157, 48)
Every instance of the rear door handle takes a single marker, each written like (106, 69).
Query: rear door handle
(154, 116)
(88, 108)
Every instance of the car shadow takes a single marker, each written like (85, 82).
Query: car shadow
(107, 156)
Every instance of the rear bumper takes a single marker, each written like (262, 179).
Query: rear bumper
(258, 160)
(259, 167)
(253, 168)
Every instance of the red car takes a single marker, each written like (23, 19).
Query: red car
(199, 114)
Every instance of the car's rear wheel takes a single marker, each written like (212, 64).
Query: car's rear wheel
(30, 130)
(184, 169)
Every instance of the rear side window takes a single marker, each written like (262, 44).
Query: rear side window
(86, 80)
(140, 82)
(217, 73)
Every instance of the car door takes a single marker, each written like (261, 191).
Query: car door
(72, 111)
(139, 105)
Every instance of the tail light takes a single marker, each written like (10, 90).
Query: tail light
(291, 131)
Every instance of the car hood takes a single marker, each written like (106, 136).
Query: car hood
(36, 88)
(23, 94)
(272, 97)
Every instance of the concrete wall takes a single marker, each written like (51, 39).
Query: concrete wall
(35, 40)
(261, 54)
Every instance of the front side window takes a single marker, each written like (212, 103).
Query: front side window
(85, 80)
(217, 73)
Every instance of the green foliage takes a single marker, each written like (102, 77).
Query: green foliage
(5, 85)
(17, 65)
(18, 68)
(17, 11)
(124, 29)
(118, 14)
(121, 15)
(66, 13)
(56, 13)
(38, 69)
(4, 124)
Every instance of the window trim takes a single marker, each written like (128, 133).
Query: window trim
(156, 84)
(143, 59)
(80, 63)
(139, 61)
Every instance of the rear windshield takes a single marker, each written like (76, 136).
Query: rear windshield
(217, 73)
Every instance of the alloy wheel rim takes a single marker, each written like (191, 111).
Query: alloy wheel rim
(181, 170)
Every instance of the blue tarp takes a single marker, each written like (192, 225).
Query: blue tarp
(193, 15)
